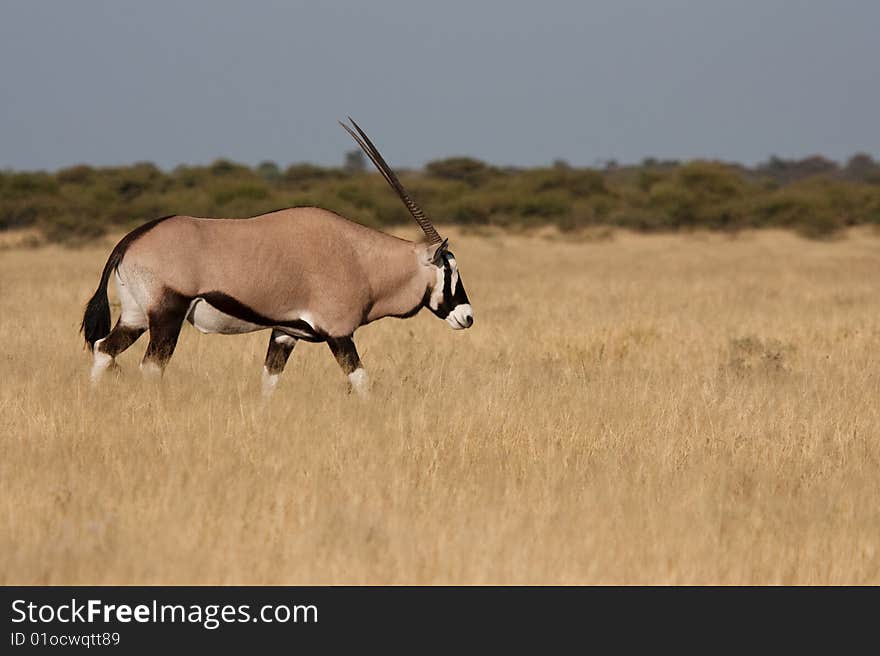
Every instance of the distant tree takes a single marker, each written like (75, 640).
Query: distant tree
(462, 169)
(787, 171)
(269, 171)
(561, 164)
(355, 162)
(815, 165)
(129, 182)
(81, 174)
(304, 174)
(774, 165)
(223, 167)
(30, 184)
(861, 167)
(648, 176)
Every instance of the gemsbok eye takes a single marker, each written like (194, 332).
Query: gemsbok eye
(280, 272)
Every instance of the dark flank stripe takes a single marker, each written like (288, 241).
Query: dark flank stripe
(235, 308)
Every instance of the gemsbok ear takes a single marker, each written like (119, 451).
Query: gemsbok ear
(437, 256)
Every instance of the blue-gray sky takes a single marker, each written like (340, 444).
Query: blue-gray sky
(520, 83)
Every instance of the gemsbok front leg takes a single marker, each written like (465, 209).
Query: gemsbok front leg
(280, 347)
(347, 356)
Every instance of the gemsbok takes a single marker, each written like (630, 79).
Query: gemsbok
(303, 272)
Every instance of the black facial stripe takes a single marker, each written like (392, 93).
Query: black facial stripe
(460, 297)
(457, 298)
(447, 285)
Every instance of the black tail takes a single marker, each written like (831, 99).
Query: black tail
(96, 319)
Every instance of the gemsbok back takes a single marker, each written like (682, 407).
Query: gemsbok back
(304, 272)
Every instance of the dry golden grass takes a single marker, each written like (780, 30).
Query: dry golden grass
(663, 409)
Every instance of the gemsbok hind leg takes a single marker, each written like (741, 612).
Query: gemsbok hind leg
(280, 347)
(106, 349)
(165, 324)
(347, 356)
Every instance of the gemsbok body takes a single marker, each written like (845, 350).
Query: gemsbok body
(305, 273)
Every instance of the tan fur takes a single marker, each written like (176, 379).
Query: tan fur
(282, 265)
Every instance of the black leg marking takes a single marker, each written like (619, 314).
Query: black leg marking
(119, 339)
(278, 353)
(165, 323)
(345, 353)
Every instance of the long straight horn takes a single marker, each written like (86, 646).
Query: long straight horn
(377, 159)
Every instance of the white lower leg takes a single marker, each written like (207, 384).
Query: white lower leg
(151, 370)
(359, 381)
(270, 381)
(100, 364)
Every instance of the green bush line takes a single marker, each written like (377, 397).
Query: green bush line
(814, 196)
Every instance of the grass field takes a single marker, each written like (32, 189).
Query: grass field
(638, 409)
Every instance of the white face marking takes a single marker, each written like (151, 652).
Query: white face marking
(437, 293)
(359, 381)
(454, 265)
(461, 317)
(270, 381)
(100, 364)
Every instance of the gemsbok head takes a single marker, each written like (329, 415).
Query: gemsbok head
(305, 273)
